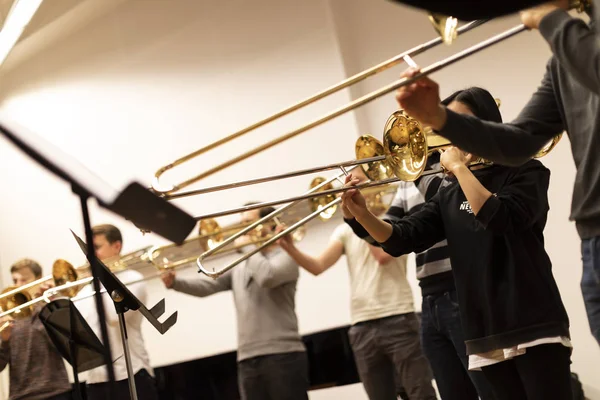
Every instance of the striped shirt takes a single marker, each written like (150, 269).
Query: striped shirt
(434, 270)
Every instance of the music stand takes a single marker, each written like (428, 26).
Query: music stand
(135, 203)
(73, 338)
(125, 301)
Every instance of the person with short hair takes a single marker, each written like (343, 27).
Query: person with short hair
(384, 331)
(108, 243)
(36, 368)
(272, 360)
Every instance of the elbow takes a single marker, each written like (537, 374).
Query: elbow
(394, 251)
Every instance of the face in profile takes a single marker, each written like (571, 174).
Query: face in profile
(105, 249)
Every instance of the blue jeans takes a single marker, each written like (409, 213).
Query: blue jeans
(444, 346)
(590, 282)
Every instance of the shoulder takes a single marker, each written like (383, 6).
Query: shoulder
(341, 232)
(532, 166)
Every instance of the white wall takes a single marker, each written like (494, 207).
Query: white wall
(151, 80)
(370, 32)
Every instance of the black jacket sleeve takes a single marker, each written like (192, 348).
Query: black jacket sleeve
(416, 232)
(522, 201)
(468, 10)
(514, 143)
(575, 45)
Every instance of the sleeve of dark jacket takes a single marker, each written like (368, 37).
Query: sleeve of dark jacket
(514, 143)
(522, 201)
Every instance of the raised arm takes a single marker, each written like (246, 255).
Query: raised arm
(413, 233)
(510, 144)
(521, 202)
(314, 265)
(572, 41)
(273, 271)
(200, 287)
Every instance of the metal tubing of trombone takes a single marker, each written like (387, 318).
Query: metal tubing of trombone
(26, 286)
(22, 306)
(274, 177)
(216, 274)
(53, 291)
(269, 216)
(342, 85)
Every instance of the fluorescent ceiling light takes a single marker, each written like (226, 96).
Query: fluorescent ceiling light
(19, 16)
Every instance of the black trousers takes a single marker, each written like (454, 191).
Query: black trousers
(274, 377)
(144, 383)
(542, 373)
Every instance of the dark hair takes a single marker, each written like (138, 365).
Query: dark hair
(479, 101)
(27, 263)
(110, 232)
(263, 212)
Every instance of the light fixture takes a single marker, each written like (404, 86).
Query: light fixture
(19, 16)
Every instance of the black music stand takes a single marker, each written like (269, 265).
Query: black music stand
(135, 203)
(73, 338)
(125, 301)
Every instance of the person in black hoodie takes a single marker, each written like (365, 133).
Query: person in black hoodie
(515, 325)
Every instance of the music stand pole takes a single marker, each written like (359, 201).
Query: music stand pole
(127, 354)
(98, 295)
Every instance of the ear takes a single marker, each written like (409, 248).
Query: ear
(119, 245)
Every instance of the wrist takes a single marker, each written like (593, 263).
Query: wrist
(364, 217)
(438, 121)
(458, 169)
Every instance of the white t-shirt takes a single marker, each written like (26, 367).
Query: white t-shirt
(133, 320)
(376, 291)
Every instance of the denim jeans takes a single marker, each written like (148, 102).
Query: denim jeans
(444, 346)
(590, 282)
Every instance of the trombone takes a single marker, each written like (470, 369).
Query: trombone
(401, 157)
(211, 235)
(404, 153)
(445, 26)
(20, 301)
(63, 271)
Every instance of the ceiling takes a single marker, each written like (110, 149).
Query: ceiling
(5, 6)
(48, 11)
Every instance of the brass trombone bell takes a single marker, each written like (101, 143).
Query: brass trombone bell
(62, 271)
(15, 300)
(19, 301)
(318, 203)
(445, 26)
(548, 147)
(450, 31)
